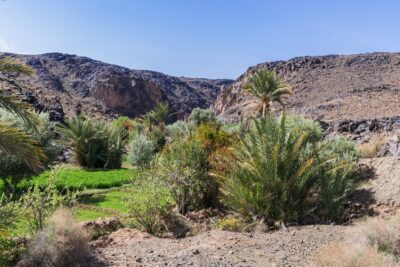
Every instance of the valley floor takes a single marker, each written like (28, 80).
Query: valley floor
(291, 247)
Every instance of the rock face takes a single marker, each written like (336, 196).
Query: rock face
(67, 84)
(327, 88)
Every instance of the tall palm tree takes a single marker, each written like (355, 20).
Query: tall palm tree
(14, 141)
(268, 87)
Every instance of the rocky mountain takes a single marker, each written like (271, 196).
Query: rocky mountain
(67, 84)
(361, 88)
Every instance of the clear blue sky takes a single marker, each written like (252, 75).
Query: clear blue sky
(198, 38)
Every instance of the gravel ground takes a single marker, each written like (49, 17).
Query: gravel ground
(291, 247)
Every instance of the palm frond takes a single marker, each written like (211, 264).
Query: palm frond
(9, 65)
(14, 141)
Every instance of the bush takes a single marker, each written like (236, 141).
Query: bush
(375, 242)
(178, 131)
(95, 144)
(39, 203)
(141, 151)
(340, 255)
(282, 173)
(372, 147)
(199, 116)
(183, 166)
(10, 250)
(61, 243)
(14, 169)
(150, 204)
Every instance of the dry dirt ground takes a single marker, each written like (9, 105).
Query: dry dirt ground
(292, 247)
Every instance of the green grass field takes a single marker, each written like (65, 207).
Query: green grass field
(76, 178)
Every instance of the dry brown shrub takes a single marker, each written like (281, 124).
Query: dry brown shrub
(341, 255)
(375, 242)
(371, 149)
(61, 243)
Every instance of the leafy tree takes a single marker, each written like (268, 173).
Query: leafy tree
(268, 87)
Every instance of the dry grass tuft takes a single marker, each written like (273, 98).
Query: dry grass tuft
(371, 149)
(340, 255)
(61, 243)
(373, 243)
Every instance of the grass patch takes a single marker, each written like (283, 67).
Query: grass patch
(75, 178)
(96, 204)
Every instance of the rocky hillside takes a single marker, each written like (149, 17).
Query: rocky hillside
(67, 84)
(329, 88)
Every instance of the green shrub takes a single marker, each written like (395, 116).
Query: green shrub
(141, 151)
(282, 173)
(183, 166)
(199, 116)
(10, 250)
(40, 202)
(95, 144)
(14, 169)
(179, 130)
(149, 204)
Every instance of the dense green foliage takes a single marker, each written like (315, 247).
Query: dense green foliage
(14, 168)
(281, 173)
(95, 144)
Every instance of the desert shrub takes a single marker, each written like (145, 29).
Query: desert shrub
(375, 242)
(183, 166)
(281, 174)
(199, 116)
(39, 202)
(372, 147)
(157, 137)
(125, 123)
(141, 151)
(62, 242)
(14, 169)
(179, 130)
(231, 223)
(149, 204)
(339, 255)
(299, 125)
(95, 144)
(10, 250)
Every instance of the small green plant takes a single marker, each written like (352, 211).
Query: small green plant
(40, 202)
(149, 205)
(231, 224)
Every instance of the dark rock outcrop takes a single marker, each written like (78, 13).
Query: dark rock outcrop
(328, 88)
(65, 85)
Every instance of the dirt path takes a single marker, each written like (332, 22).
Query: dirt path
(291, 247)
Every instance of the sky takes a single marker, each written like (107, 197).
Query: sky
(198, 38)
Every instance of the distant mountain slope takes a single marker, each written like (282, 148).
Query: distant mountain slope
(327, 87)
(72, 84)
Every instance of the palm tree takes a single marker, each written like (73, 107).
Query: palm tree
(268, 87)
(14, 141)
(161, 114)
